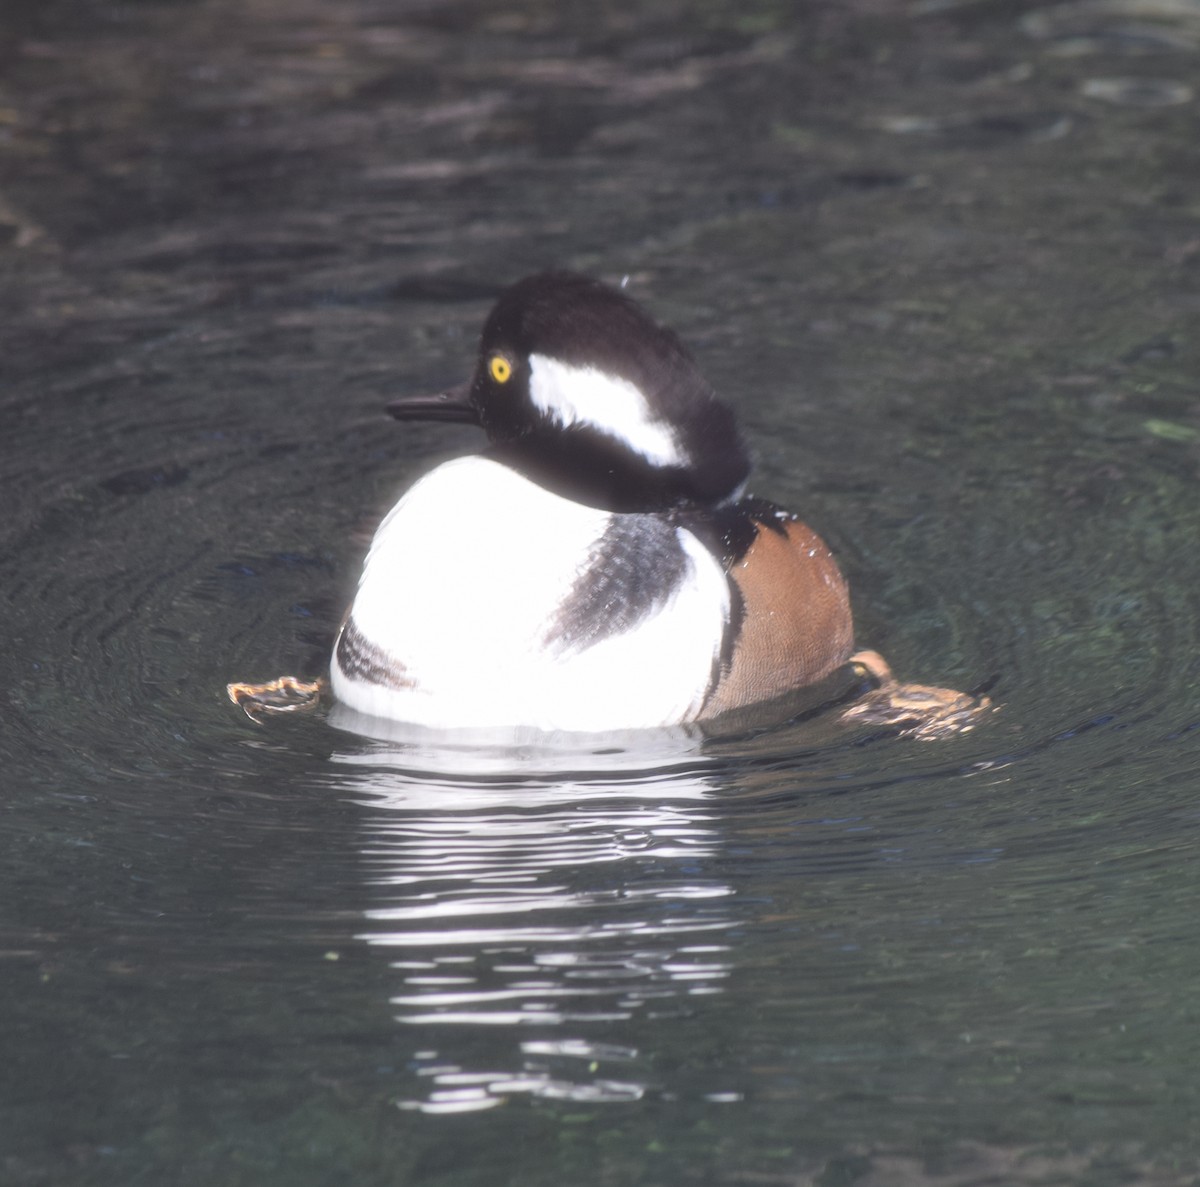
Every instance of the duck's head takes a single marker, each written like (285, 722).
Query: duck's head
(578, 388)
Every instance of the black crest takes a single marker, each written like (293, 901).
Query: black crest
(583, 323)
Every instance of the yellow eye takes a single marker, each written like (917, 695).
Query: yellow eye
(499, 368)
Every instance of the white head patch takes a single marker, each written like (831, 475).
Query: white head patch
(613, 406)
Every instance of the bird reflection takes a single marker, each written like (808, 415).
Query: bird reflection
(539, 905)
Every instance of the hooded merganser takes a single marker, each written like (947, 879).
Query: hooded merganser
(597, 566)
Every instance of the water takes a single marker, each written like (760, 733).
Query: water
(943, 259)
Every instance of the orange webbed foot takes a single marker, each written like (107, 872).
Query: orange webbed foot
(288, 694)
(918, 710)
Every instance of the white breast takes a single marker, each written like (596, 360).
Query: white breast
(460, 589)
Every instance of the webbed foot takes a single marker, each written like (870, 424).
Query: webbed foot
(918, 710)
(285, 695)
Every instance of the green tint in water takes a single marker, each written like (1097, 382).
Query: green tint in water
(949, 281)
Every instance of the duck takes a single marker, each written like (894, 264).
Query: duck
(598, 565)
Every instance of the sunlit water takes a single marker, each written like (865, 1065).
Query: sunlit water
(943, 258)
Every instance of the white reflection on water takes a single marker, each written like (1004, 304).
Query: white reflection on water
(554, 886)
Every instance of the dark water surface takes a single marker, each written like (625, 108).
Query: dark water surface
(945, 259)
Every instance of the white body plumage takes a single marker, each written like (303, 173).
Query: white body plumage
(487, 600)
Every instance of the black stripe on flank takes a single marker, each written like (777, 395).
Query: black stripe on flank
(723, 660)
(360, 659)
(728, 531)
(633, 570)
